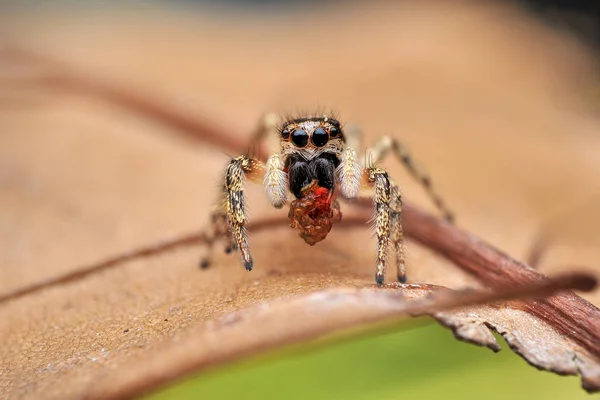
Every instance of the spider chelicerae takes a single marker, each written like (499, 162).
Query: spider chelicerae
(316, 162)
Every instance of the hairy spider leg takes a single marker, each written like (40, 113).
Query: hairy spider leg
(397, 231)
(237, 171)
(380, 181)
(349, 177)
(275, 181)
(373, 156)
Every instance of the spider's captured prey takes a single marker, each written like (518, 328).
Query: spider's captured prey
(316, 162)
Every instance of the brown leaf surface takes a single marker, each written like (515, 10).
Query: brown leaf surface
(494, 119)
(320, 313)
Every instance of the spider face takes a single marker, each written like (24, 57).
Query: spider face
(311, 137)
(311, 149)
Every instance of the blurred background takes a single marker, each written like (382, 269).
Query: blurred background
(498, 100)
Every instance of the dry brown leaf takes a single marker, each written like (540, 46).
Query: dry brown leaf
(82, 180)
(321, 314)
(534, 340)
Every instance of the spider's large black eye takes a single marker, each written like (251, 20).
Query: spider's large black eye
(300, 138)
(319, 137)
(285, 134)
(334, 132)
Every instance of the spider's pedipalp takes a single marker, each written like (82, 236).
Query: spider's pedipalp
(349, 173)
(382, 186)
(276, 181)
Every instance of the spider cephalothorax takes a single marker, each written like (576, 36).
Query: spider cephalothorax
(316, 165)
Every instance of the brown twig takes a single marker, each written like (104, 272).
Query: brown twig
(324, 314)
(570, 314)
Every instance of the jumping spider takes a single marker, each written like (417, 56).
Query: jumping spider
(315, 161)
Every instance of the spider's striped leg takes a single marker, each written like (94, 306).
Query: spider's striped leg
(397, 231)
(232, 209)
(275, 184)
(382, 186)
(235, 175)
(388, 208)
(387, 143)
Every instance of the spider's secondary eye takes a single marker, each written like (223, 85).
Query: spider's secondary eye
(334, 132)
(285, 134)
(319, 137)
(300, 138)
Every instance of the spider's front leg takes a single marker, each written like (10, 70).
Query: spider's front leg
(388, 208)
(235, 176)
(228, 220)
